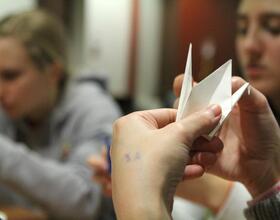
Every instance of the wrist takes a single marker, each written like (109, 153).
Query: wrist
(266, 182)
(153, 211)
(138, 200)
(140, 205)
(214, 191)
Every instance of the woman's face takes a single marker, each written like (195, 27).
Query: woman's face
(258, 44)
(24, 90)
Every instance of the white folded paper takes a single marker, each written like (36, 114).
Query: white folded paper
(214, 89)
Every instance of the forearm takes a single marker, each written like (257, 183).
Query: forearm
(137, 208)
(135, 198)
(209, 191)
(46, 181)
(137, 204)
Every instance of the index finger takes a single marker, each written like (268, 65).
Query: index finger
(251, 101)
(177, 84)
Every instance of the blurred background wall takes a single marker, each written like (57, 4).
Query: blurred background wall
(139, 46)
(7, 7)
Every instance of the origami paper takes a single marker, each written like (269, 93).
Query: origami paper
(214, 89)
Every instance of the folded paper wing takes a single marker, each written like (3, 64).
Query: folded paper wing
(214, 89)
(186, 86)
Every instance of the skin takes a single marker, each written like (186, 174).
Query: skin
(209, 190)
(25, 91)
(213, 190)
(258, 45)
(251, 140)
(148, 164)
(251, 153)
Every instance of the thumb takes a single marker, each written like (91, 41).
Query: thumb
(198, 124)
(253, 101)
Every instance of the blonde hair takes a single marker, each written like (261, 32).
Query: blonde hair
(42, 35)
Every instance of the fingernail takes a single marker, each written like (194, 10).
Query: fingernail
(214, 110)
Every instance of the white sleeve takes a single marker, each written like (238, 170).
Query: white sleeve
(184, 209)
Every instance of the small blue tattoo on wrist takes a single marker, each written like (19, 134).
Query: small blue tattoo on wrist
(128, 157)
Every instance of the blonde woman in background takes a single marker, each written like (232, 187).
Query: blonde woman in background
(48, 124)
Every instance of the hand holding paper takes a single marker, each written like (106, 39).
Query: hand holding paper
(214, 89)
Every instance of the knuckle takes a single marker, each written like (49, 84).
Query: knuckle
(184, 133)
(124, 122)
(206, 119)
(119, 124)
(180, 129)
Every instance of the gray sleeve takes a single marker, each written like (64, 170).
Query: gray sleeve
(65, 190)
(267, 209)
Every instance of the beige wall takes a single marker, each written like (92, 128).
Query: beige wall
(149, 54)
(8, 6)
(107, 41)
(107, 46)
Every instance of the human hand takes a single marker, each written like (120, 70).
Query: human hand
(251, 138)
(101, 174)
(149, 154)
(252, 144)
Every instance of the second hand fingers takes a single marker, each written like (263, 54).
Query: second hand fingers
(203, 145)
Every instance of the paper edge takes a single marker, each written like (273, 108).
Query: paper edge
(186, 86)
(236, 96)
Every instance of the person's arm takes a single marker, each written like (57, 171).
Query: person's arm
(225, 199)
(64, 190)
(209, 191)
